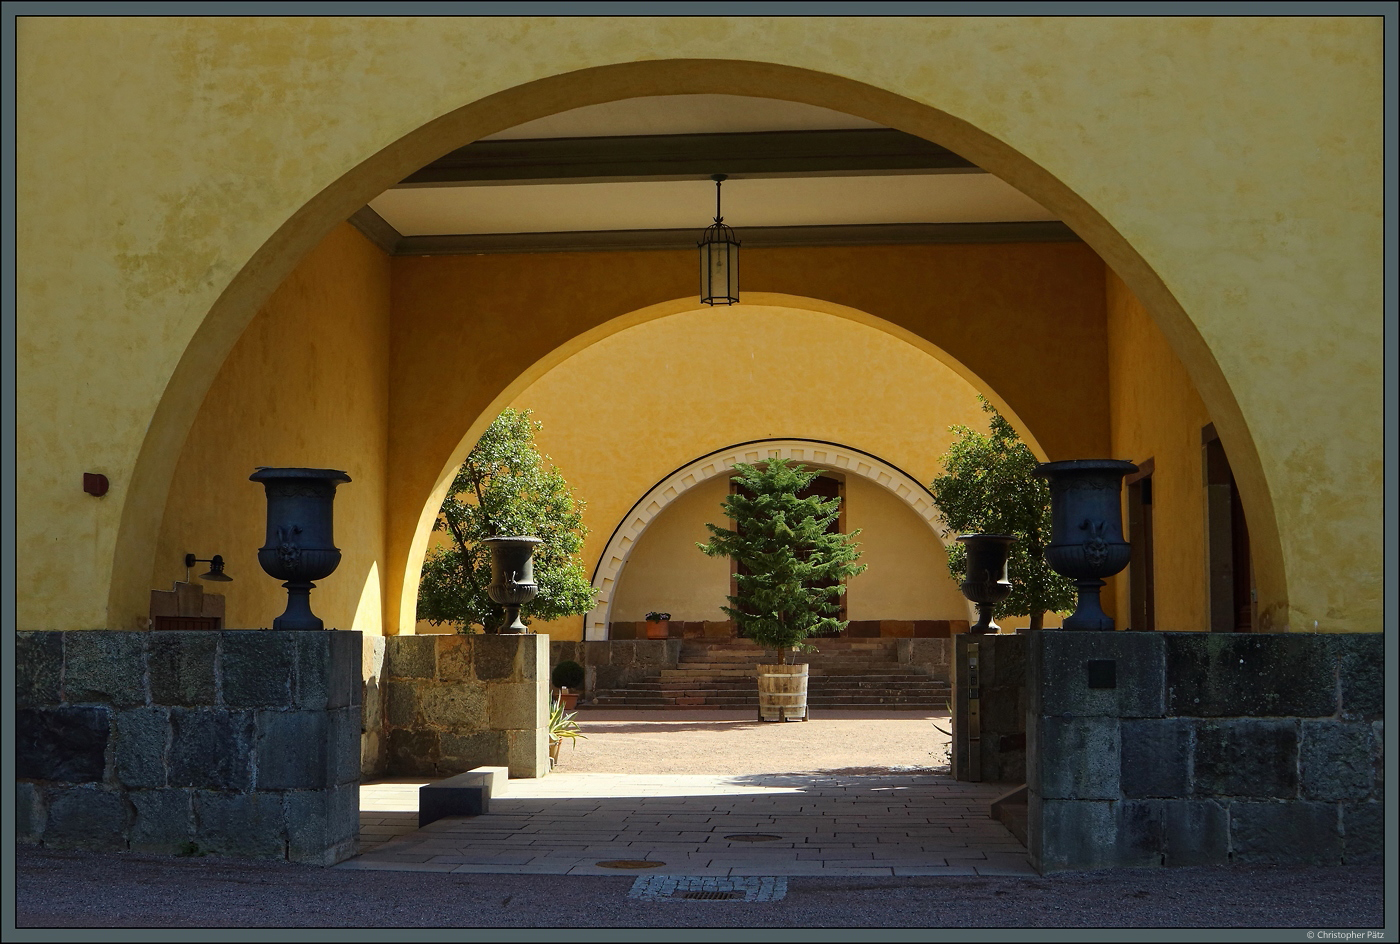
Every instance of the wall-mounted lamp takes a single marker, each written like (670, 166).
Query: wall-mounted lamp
(719, 259)
(216, 568)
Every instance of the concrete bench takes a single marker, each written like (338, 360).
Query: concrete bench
(467, 794)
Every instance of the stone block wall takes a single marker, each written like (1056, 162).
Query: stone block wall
(1153, 749)
(1001, 695)
(613, 663)
(232, 742)
(857, 629)
(933, 657)
(373, 757)
(454, 702)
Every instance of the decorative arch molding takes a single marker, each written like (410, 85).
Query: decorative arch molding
(810, 452)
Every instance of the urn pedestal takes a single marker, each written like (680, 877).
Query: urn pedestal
(986, 583)
(299, 546)
(512, 579)
(1086, 530)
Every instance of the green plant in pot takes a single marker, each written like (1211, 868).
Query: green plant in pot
(562, 726)
(568, 677)
(792, 576)
(658, 625)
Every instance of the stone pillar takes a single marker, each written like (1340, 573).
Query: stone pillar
(1001, 695)
(1150, 749)
(454, 702)
(231, 742)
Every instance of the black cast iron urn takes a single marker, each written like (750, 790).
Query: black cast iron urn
(300, 547)
(1086, 530)
(986, 583)
(512, 579)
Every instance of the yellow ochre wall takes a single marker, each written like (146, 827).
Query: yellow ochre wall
(621, 415)
(667, 572)
(1022, 318)
(907, 576)
(1157, 414)
(306, 385)
(172, 171)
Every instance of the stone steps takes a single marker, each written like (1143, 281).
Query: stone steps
(845, 673)
(713, 700)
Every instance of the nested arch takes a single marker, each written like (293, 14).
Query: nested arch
(306, 225)
(896, 410)
(810, 452)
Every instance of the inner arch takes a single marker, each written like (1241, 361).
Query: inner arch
(809, 452)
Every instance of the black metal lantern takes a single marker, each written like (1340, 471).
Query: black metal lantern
(719, 259)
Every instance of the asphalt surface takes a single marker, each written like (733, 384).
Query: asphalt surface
(69, 889)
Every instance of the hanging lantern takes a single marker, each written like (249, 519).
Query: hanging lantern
(719, 259)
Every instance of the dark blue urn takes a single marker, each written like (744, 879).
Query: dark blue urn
(986, 583)
(512, 579)
(300, 546)
(1086, 530)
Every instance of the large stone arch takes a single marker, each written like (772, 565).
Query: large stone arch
(810, 452)
(306, 224)
(423, 505)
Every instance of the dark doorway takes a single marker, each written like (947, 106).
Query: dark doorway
(1141, 581)
(1230, 570)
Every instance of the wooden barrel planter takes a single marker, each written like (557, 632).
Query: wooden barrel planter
(782, 692)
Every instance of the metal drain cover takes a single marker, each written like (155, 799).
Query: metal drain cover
(629, 864)
(752, 837)
(708, 888)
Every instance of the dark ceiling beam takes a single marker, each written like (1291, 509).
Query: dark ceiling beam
(688, 157)
(752, 237)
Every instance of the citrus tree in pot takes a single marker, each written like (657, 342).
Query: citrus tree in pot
(792, 576)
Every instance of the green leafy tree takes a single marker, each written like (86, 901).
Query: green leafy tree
(505, 489)
(987, 487)
(795, 568)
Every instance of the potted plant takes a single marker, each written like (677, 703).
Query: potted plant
(561, 725)
(658, 625)
(568, 677)
(792, 577)
(989, 487)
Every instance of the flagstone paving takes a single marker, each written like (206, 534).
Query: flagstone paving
(924, 824)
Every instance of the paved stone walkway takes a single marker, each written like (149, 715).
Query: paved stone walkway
(567, 823)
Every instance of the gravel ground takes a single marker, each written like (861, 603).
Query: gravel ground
(69, 889)
(88, 890)
(735, 742)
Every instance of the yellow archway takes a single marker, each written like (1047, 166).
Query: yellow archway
(311, 222)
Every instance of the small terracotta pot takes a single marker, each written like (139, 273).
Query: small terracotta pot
(659, 630)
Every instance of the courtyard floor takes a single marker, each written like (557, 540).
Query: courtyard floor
(871, 834)
(707, 793)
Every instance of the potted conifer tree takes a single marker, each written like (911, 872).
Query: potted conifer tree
(792, 576)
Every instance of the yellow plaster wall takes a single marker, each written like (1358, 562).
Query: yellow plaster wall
(907, 576)
(173, 171)
(1157, 414)
(667, 572)
(621, 415)
(1022, 318)
(306, 385)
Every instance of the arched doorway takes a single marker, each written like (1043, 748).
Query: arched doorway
(811, 453)
(155, 469)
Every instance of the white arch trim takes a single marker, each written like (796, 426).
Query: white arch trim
(809, 452)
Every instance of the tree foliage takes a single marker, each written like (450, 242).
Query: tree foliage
(506, 489)
(795, 568)
(987, 487)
